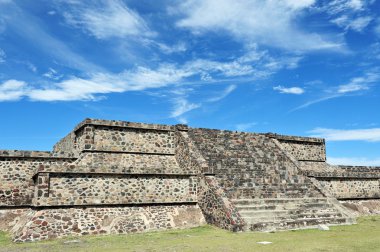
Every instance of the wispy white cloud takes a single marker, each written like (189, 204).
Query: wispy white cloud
(321, 99)
(351, 87)
(370, 135)
(179, 47)
(348, 14)
(31, 66)
(75, 89)
(96, 81)
(270, 23)
(106, 19)
(138, 79)
(254, 63)
(339, 6)
(357, 24)
(143, 78)
(12, 90)
(360, 83)
(53, 74)
(289, 90)
(207, 70)
(228, 69)
(182, 120)
(315, 101)
(354, 86)
(299, 4)
(245, 126)
(224, 94)
(181, 91)
(182, 106)
(356, 161)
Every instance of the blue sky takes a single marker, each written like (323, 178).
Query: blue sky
(298, 67)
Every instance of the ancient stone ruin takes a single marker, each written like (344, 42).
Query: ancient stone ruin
(110, 177)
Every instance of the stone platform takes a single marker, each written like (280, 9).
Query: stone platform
(109, 177)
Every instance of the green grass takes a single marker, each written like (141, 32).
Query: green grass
(365, 236)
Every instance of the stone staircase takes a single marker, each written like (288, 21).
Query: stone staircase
(288, 213)
(251, 165)
(269, 191)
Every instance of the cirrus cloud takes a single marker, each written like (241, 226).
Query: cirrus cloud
(269, 23)
(370, 135)
(106, 19)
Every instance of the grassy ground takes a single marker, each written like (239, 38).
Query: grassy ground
(362, 237)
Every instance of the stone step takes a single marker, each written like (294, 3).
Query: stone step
(288, 212)
(263, 214)
(252, 218)
(274, 201)
(254, 189)
(256, 184)
(319, 215)
(294, 224)
(294, 206)
(297, 210)
(262, 192)
(330, 209)
(266, 195)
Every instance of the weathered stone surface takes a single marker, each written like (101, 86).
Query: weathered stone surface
(303, 148)
(53, 223)
(122, 163)
(16, 172)
(305, 151)
(217, 207)
(363, 207)
(120, 177)
(352, 188)
(80, 189)
(9, 217)
(133, 140)
(251, 165)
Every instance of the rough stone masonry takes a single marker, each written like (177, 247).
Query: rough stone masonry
(109, 177)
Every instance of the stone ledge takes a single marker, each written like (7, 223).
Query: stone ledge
(342, 174)
(35, 154)
(109, 174)
(295, 138)
(359, 168)
(128, 152)
(105, 201)
(123, 124)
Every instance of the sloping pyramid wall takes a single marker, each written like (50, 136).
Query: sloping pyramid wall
(251, 165)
